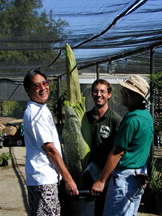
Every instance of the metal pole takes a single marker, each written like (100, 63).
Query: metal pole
(59, 116)
(151, 85)
(97, 70)
(151, 107)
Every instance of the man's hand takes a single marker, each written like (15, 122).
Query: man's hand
(97, 188)
(58, 163)
(112, 161)
(71, 188)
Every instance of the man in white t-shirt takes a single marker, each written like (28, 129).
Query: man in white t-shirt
(44, 164)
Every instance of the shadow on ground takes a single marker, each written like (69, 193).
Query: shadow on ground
(20, 177)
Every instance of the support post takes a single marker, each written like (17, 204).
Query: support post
(97, 70)
(59, 115)
(151, 107)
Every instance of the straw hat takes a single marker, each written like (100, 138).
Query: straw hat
(136, 84)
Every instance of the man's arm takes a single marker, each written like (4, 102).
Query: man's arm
(112, 161)
(57, 161)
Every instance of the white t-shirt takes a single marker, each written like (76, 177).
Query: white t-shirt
(39, 128)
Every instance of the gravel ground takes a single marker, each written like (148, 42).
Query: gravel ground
(13, 193)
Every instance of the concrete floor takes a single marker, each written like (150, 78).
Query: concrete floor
(13, 193)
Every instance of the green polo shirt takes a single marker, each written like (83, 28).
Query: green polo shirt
(103, 131)
(135, 137)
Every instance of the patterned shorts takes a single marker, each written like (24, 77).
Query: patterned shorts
(43, 200)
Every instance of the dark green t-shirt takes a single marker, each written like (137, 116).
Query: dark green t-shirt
(135, 136)
(103, 132)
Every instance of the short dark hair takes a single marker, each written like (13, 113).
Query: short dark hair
(104, 82)
(30, 74)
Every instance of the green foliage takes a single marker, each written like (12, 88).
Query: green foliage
(19, 109)
(9, 107)
(156, 79)
(5, 156)
(156, 178)
(12, 108)
(22, 26)
(53, 96)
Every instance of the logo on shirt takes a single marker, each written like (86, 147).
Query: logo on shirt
(50, 120)
(104, 131)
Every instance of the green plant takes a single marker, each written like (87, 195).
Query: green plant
(156, 178)
(9, 107)
(5, 156)
(156, 79)
(76, 132)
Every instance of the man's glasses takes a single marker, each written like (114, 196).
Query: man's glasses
(95, 92)
(127, 94)
(38, 86)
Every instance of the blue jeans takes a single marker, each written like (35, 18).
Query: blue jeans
(123, 195)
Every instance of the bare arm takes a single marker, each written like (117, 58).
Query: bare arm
(59, 165)
(112, 161)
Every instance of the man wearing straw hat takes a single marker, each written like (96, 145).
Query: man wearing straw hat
(130, 152)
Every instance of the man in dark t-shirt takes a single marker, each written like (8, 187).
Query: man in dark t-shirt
(103, 124)
(103, 132)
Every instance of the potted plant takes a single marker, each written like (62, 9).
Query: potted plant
(4, 157)
(156, 182)
(153, 193)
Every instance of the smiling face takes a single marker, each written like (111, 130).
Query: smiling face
(38, 94)
(100, 95)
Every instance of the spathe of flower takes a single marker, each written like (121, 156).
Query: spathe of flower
(76, 132)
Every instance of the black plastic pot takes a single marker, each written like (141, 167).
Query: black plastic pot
(158, 203)
(150, 199)
(5, 162)
(81, 205)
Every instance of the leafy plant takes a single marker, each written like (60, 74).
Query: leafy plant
(5, 156)
(53, 102)
(156, 178)
(9, 107)
(156, 79)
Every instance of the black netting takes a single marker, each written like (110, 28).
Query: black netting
(12, 91)
(33, 34)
